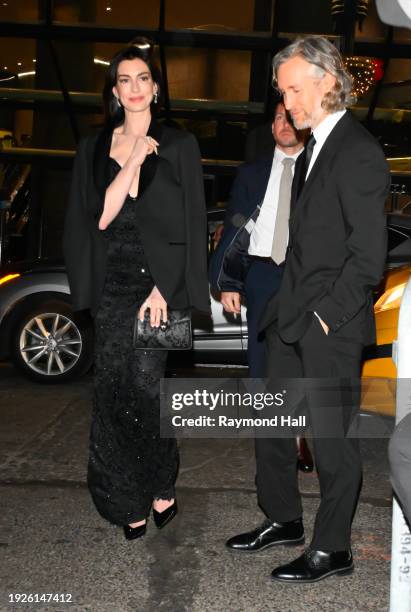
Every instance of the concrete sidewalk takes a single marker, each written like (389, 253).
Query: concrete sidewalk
(53, 541)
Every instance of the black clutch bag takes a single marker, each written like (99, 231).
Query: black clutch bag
(172, 335)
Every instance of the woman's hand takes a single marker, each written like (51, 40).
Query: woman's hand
(143, 146)
(158, 308)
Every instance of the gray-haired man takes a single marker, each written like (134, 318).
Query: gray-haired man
(322, 316)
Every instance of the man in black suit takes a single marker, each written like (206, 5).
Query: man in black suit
(322, 316)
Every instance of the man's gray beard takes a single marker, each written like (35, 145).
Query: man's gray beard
(304, 125)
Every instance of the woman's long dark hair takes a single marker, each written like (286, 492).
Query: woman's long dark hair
(140, 48)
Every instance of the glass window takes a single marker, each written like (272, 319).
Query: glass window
(18, 62)
(402, 35)
(395, 93)
(213, 15)
(23, 127)
(372, 28)
(218, 138)
(128, 13)
(20, 10)
(28, 64)
(216, 74)
(312, 17)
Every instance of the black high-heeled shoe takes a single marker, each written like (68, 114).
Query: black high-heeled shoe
(162, 518)
(132, 533)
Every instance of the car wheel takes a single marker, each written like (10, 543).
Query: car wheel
(51, 344)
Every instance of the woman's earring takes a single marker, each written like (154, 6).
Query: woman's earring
(118, 102)
(155, 98)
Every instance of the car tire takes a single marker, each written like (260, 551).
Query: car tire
(51, 344)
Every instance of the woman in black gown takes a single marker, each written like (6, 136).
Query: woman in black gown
(134, 240)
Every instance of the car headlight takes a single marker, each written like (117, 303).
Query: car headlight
(390, 299)
(7, 278)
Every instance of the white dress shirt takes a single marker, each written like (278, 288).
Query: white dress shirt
(321, 133)
(262, 232)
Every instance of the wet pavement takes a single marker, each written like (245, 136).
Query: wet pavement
(53, 541)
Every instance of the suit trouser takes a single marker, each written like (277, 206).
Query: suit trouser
(262, 282)
(337, 457)
(399, 452)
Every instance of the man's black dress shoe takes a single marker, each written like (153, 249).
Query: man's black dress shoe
(268, 534)
(314, 565)
(305, 461)
(132, 533)
(162, 518)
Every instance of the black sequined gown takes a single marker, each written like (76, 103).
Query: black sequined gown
(129, 463)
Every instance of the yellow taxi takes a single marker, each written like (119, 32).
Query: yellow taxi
(379, 371)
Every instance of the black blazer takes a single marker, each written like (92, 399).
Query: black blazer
(171, 212)
(337, 244)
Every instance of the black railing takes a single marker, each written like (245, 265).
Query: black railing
(218, 178)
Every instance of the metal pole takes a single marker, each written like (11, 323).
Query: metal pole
(386, 59)
(260, 66)
(68, 104)
(163, 61)
(400, 593)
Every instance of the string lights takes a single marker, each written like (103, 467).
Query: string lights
(365, 72)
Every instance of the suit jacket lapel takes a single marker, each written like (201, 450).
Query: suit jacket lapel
(299, 166)
(329, 147)
(149, 167)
